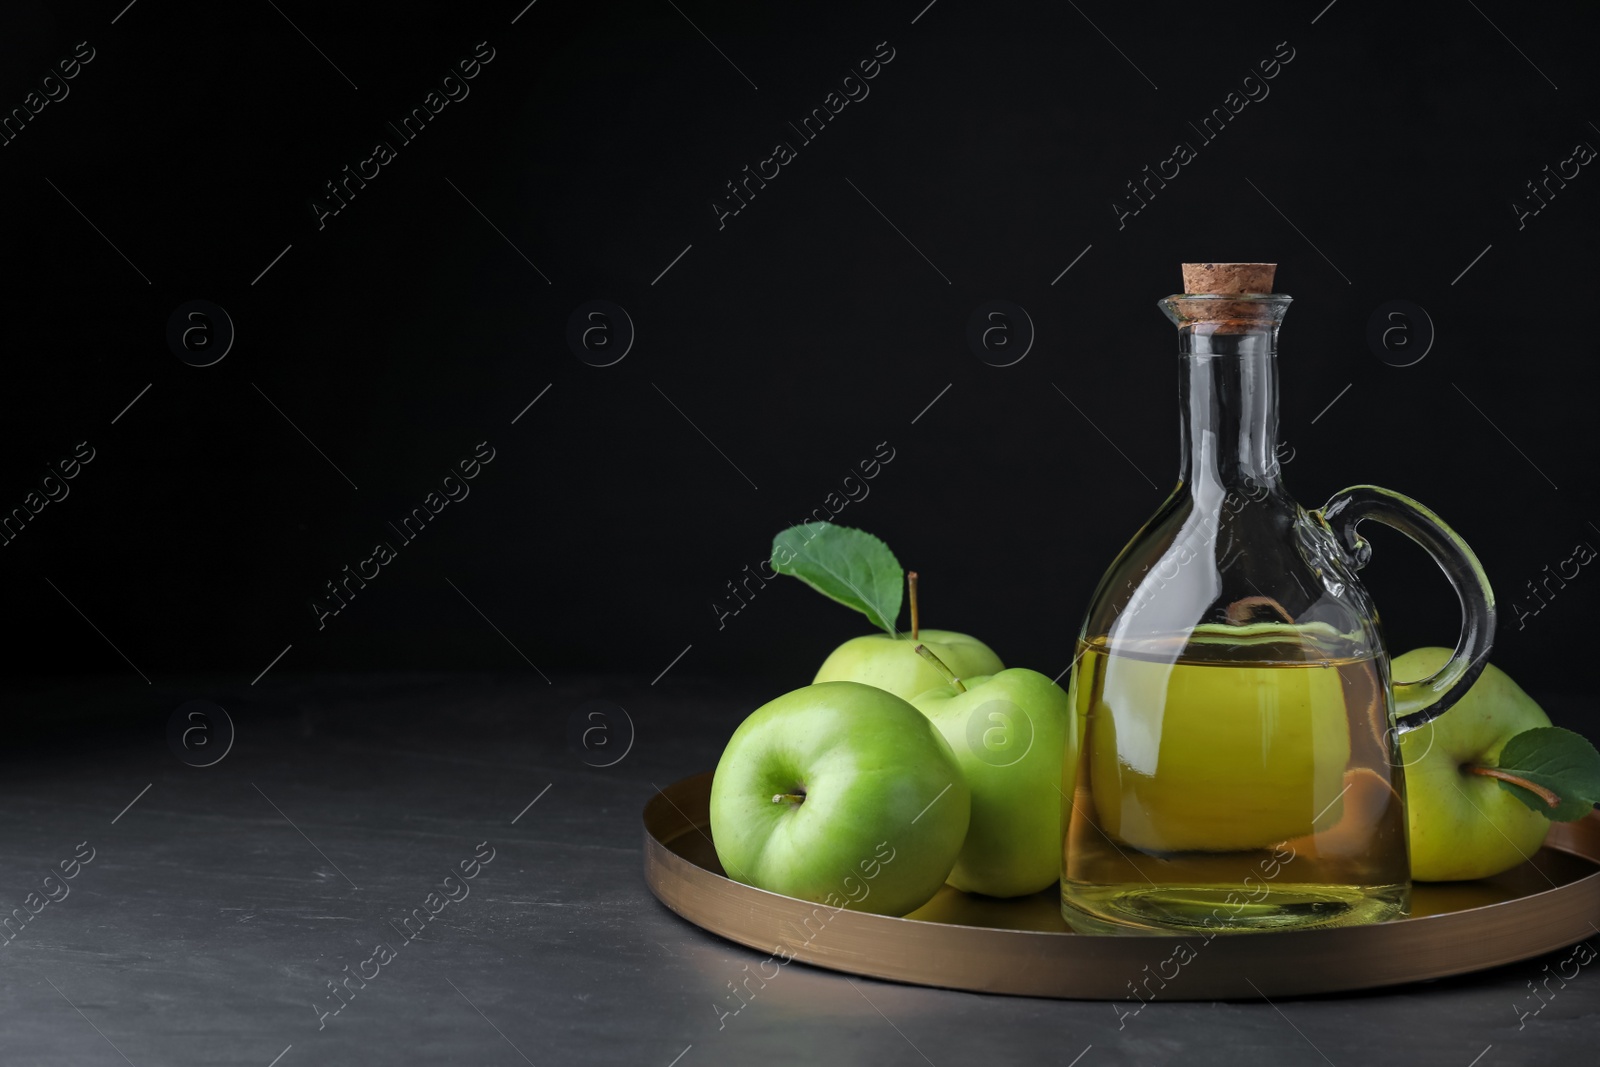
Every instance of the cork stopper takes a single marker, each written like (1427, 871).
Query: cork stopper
(1227, 298)
(1228, 279)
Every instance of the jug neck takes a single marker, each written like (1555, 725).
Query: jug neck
(1229, 391)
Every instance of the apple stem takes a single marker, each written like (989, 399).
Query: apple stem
(939, 665)
(789, 798)
(916, 618)
(1549, 797)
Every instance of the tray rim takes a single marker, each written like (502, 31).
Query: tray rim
(1068, 965)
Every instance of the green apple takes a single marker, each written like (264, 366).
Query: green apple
(1464, 825)
(1011, 732)
(892, 662)
(842, 794)
(858, 570)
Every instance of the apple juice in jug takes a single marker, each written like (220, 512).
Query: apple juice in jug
(1239, 756)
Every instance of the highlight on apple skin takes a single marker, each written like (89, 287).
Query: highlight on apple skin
(842, 794)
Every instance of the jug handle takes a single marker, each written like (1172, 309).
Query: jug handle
(1424, 700)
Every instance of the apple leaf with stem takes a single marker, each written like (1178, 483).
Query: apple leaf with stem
(843, 564)
(1554, 771)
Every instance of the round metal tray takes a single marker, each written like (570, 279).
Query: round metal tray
(1023, 946)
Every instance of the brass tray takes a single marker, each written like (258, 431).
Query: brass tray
(1023, 946)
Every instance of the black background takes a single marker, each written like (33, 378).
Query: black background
(797, 337)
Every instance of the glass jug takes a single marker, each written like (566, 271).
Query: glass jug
(1239, 735)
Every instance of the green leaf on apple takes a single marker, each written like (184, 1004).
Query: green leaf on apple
(844, 564)
(1557, 760)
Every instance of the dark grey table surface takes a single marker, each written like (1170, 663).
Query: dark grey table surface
(221, 903)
